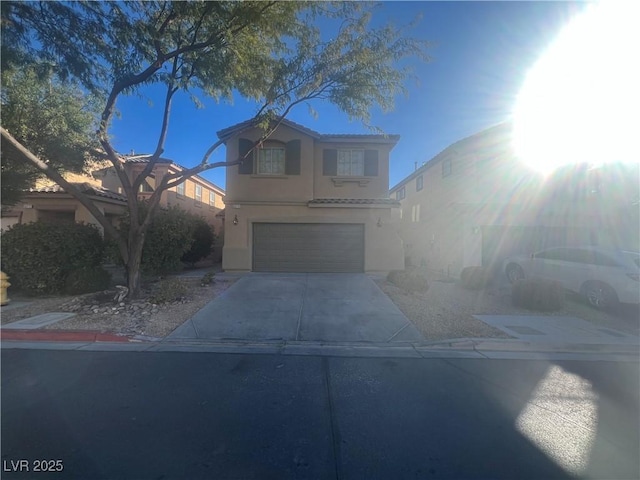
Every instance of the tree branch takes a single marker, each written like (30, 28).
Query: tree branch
(182, 176)
(171, 90)
(69, 188)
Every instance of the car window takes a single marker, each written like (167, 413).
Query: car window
(604, 260)
(577, 255)
(554, 254)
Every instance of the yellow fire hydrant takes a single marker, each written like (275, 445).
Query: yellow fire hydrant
(4, 284)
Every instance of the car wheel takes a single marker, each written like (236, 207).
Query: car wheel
(599, 295)
(514, 272)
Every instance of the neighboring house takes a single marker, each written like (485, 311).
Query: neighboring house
(196, 195)
(452, 203)
(53, 204)
(47, 201)
(306, 202)
(475, 203)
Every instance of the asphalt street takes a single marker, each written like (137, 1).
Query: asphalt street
(166, 415)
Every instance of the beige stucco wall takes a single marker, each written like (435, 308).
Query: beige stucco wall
(311, 183)
(170, 197)
(203, 209)
(284, 199)
(9, 221)
(289, 188)
(479, 191)
(324, 186)
(383, 247)
(45, 206)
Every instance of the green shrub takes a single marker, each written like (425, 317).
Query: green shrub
(169, 236)
(207, 279)
(168, 290)
(475, 278)
(538, 294)
(39, 256)
(86, 280)
(409, 281)
(203, 238)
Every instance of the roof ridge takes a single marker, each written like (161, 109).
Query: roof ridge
(225, 133)
(440, 155)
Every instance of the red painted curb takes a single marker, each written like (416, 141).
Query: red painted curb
(61, 336)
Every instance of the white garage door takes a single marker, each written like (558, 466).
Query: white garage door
(308, 247)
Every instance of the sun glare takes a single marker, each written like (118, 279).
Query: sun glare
(581, 101)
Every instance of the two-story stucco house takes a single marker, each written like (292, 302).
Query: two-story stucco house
(476, 203)
(196, 195)
(468, 205)
(309, 202)
(49, 202)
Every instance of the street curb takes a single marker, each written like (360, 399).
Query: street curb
(472, 347)
(61, 336)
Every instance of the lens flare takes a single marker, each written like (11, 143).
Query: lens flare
(580, 102)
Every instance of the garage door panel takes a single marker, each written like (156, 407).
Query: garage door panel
(308, 247)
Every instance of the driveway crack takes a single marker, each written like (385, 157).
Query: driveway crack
(304, 297)
(335, 432)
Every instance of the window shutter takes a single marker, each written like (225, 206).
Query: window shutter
(292, 158)
(246, 167)
(371, 163)
(330, 161)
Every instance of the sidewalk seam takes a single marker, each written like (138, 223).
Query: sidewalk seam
(399, 331)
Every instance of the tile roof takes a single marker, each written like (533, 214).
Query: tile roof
(144, 158)
(391, 138)
(86, 188)
(228, 132)
(225, 133)
(354, 201)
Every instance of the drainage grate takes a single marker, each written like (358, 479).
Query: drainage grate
(524, 330)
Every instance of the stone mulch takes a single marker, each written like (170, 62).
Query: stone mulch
(446, 310)
(99, 312)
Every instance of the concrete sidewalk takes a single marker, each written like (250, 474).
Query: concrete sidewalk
(333, 315)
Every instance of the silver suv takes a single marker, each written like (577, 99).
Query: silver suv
(603, 276)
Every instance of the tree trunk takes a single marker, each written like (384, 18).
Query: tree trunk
(136, 242)
(133, 278)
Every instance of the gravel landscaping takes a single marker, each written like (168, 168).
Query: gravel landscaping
(99, 312)
(445, 310)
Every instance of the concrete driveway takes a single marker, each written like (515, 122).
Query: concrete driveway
(313, 307)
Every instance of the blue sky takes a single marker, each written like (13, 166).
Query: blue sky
(481, 53)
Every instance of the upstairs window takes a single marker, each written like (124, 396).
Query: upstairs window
(145, 187)
(198, 193)
(419, 183)
(351, 163)
(446, 168)
(180, 188)
(273, 158)
(271, 161)
(212, 198)
(415, 213)
(400, 194)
